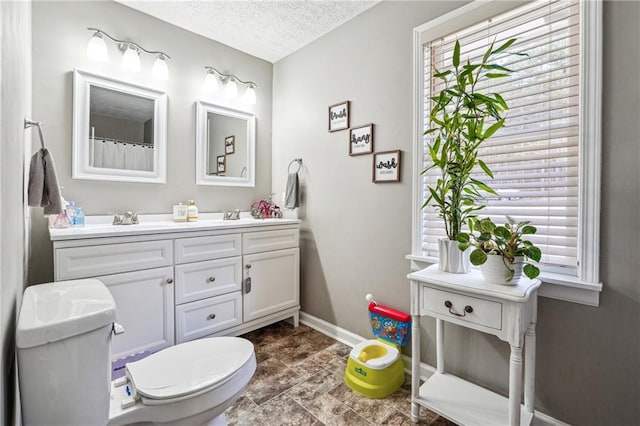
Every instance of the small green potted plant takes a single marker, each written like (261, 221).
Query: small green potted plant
(460, 120)
(501, 251)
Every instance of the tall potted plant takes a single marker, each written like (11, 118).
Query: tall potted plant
(462, 117)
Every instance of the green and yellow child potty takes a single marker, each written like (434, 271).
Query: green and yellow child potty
(374, 368)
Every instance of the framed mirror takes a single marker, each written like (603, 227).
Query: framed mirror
(225, 146)
(119, 130)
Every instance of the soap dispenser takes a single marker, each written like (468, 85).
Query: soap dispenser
(192, 211)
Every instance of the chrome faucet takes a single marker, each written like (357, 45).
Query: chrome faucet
(231, 215)
(129, 218)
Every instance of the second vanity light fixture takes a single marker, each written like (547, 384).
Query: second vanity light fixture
(231, 87)
(97, 50)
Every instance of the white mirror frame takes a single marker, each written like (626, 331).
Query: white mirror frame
(82, 169)
(202, 178)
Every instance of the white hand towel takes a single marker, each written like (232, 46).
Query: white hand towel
(43, 190)
(291, 193)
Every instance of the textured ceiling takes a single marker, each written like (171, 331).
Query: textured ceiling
(267, 29)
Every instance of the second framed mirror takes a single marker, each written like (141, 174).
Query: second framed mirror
(225, 146)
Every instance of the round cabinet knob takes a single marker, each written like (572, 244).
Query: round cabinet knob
(169, 280)
(211, 316)
(468, 309)
(448, 304)
(211, 279)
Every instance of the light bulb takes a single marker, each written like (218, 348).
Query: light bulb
(210, 82)
(97, 49)
(131, 59)
(250, 95)
(232, 89)
(160, 70)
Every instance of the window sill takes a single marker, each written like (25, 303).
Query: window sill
(554, 286)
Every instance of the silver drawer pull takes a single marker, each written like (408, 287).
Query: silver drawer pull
(211, 279)
(467, 309)
(211, 316)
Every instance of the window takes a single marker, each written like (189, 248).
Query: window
(546, 160)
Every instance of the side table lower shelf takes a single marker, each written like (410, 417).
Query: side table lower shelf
(466, 403)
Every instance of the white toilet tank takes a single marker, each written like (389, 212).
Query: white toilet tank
(64, 346)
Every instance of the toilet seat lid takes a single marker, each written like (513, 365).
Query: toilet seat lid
(189, 367)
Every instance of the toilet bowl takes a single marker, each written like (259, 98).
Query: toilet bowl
(64, 344)
(190, 383)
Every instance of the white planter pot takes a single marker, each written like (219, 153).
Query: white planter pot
(451, 259)
(495, 271)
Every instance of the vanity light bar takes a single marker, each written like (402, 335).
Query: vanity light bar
(231, 87)
(97, 50)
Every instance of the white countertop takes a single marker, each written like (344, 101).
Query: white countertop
(101, 226)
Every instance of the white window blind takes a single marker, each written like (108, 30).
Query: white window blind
(535, 158)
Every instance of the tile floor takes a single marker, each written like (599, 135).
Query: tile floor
(299, 381)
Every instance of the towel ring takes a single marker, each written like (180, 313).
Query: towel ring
(295, 160)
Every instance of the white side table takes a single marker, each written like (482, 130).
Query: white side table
(508, 312)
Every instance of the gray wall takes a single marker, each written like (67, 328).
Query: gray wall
(15, 106)
(356, 233)
(60, 41)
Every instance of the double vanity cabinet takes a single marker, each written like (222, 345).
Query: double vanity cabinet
(177, 282)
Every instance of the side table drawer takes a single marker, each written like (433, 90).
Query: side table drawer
(208, 316)
(484, 312)
(195, 281)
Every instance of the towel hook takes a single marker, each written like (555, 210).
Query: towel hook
(295, 160)
(29, 123)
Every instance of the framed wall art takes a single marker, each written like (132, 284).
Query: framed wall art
(230, 144)
(221, 161)
(339, 116)
(386, 166)
(361, 140)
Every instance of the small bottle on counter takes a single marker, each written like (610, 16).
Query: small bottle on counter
(180, 213)
(70, 210)
(78, 217)
(192, 211)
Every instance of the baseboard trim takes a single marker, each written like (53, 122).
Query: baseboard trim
(426, 370)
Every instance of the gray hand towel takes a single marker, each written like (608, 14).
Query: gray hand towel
(43, 190)
(291, 193)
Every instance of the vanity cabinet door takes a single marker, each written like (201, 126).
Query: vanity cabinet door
(274, 282)
(144, 307)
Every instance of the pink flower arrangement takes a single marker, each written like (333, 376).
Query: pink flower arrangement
(264, 209)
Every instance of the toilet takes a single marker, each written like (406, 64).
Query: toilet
(375, 368)
(64, 366)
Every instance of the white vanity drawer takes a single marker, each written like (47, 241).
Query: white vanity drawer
(204, 317)
(195, 281)
(483, 312)
(196, 249)
(256, 242)
(91, 261)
